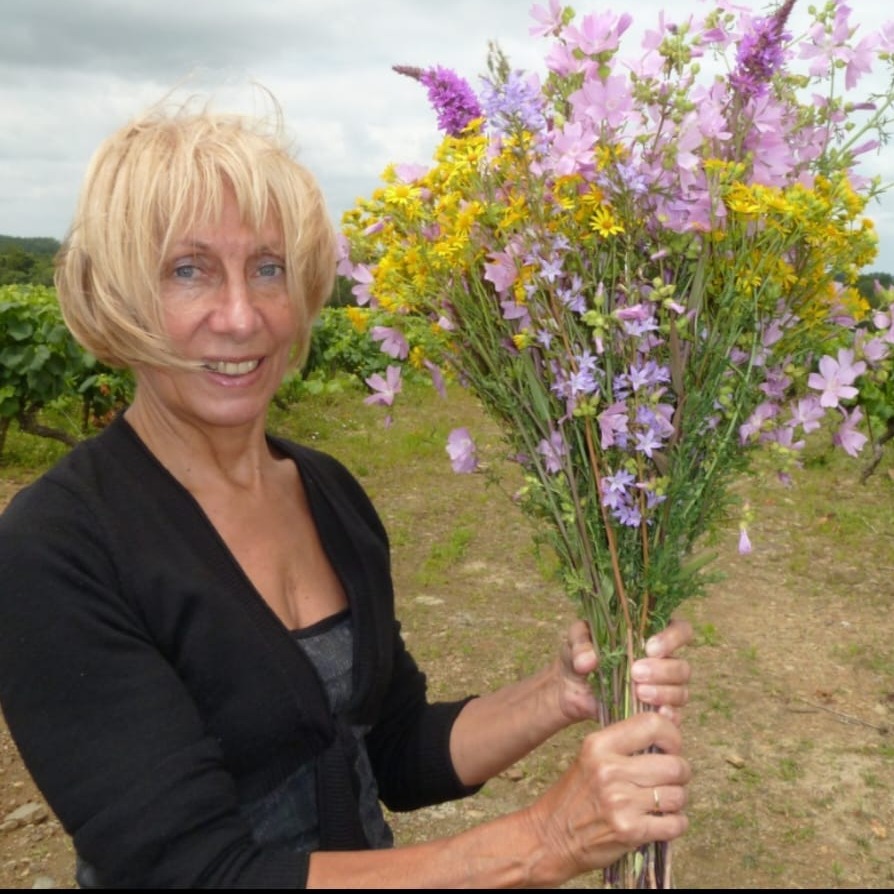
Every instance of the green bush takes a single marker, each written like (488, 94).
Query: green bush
(337, 346)
(42, 365)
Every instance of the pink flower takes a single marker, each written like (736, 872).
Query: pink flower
(364, 279)
(553, 451)
(598, 33)
(550, 21)
(344, 267)
(847, 437)
(501, 271)
(461, 450)
(386, 389)
(603, 102)
(437, 377)
(835, 378)
(393, 342)
(808, 414)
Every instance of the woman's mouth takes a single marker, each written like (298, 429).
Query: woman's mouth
(231, 368)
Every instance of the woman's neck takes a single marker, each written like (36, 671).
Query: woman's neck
(202, 457)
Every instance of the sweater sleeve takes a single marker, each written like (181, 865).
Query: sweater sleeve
(409, 747)
(102, 721)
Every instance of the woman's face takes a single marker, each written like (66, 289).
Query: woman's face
(225, 304)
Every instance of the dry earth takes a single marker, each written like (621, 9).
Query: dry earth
(790, 726)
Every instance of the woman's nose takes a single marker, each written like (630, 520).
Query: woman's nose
(235, 310)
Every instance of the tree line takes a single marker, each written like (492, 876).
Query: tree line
(27, 260)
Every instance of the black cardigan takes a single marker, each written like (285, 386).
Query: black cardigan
(150, 688)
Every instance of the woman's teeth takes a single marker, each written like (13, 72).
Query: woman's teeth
(232, 369)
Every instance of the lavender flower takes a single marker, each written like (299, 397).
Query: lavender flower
(761, 54)
(515, 103)
(385, 389)
(461, 450)
(392, 341)
(553, 451)
(450, 95)
(836, 377)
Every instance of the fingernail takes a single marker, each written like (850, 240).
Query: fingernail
(646, 693)
(653, 647)
(640, 671)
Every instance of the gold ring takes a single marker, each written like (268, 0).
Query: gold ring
(657, 801)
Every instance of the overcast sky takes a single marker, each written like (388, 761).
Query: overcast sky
(72, 71)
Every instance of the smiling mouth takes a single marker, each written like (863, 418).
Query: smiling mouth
(228, 368)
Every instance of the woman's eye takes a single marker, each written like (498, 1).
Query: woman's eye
(271, 268)
(185, 271)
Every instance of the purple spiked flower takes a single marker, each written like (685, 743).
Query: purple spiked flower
(450, 95)
(761, 54)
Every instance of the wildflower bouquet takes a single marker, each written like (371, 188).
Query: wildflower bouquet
(633, 263)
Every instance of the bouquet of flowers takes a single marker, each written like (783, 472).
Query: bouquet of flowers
(634, 264)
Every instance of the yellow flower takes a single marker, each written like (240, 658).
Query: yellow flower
(515, 212)
(417, 357)
(522, 339)
(603, 222)
(358, 317)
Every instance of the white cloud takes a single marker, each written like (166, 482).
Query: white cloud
(71, 72)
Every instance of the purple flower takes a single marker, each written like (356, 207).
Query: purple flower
(451, 96)
(808, 413)
(461, 450)
(875, 350)
(386, 389)
(835, 378)
(744, 542)
(553, 451)
(550, 20)
(628, 514)
(785, 437)
(572, 148)
(755, 424)
(614, 487)
(437, 377)
(847, 437)
(362, 275)
(885, 320)
(393, 342)
(601, 102)
(648, 374)
(776, 385)
(761, 53)
(647, 442)
(512, 310)
(501, 271)
(613, 425)
(514, 103)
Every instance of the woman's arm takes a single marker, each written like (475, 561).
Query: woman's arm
(494, 731)
(602, 807)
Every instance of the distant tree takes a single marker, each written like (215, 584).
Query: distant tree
(27, 260)
(866, 285)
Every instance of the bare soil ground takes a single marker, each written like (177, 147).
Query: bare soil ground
(791, 725)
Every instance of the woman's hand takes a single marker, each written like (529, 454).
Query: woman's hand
(613, 798)
(661, 679)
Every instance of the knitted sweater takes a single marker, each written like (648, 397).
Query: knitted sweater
(151, 690)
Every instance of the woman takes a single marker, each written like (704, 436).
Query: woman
(199, 659)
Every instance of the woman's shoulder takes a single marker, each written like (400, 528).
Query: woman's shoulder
(91, 474)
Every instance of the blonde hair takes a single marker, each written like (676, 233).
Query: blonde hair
(158, 177)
